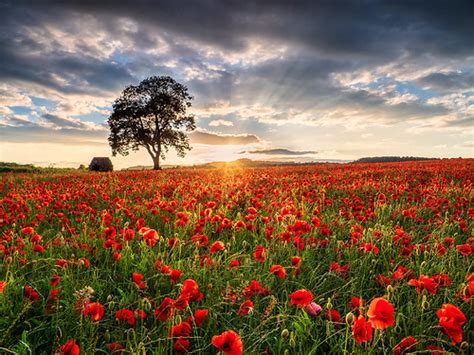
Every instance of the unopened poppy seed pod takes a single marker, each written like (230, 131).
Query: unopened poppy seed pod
(285, 333)
(329, 304)
(350, 318)
(292, 341)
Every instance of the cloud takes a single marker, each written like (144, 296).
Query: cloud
(450, 81)
(211, 138)
(216, 123)
(281, 151)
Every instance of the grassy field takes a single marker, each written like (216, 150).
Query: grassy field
(357, 258)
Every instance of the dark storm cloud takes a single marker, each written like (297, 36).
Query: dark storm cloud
(281, 151)
(359, 28)
(322, 39)
(452, 81)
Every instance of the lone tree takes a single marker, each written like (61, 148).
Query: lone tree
(152, 115)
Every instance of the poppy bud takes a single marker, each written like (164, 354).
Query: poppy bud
(464, 345)
(329, 304)
(285, 333)
(286, 352)
(350, 318)
(424, 303)
(110, 298)
(107, 335)
(390, 289)
(292, 341)
(313, 309)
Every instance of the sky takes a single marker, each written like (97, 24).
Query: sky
(271, 80)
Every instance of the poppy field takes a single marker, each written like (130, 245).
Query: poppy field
(353, 259)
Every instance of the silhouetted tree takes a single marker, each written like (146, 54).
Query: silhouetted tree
(152, 115)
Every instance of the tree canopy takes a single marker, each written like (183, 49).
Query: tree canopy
(152, 115)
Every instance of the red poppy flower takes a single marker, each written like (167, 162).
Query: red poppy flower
(407, 344)
(255, 289)
(53, 295)
(234, 263)
(424, 283)
(245, 308)
(435, 350)
(464, 249)
(451, 320)
(126, 315)
(54, 280)
(165, 309)
(296, 261)
(198, 317)
(2, 286)
(228, 342)
(175, 275)
(181, 345)
(95, 310)
(137, 278)
(140, 314)
(70, 348)
(301, 298)
(190, 291)
(115, 347)
(361, 330)
(182, 329)
(380, 313)
(260, 253)
(278, 270)
(31, 294)
(216, 246)
(333, 316)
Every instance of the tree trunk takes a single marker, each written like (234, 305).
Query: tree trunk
(156, 162)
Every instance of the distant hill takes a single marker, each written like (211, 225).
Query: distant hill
(240, 163)
(390, 159)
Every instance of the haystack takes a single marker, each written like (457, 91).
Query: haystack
(101, 164)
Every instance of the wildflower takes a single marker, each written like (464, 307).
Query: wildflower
(181, 345)
(406, 345)
(137, 278)
(424, 283)
(95, 310)
(380, 313)
(198, 317)
(126, 315)
(216, 246)
(245, 308)
(451, 320)
(278, 270)
(228, 342)
(31, 294)
(361, 330)
(301, 298)
(69, 348)
(165, 309)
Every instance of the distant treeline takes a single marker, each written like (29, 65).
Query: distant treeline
(390, 159)
(27, 168)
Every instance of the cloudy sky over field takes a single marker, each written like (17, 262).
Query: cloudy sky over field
(289, 80)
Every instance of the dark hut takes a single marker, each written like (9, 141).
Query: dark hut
(101, 164)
